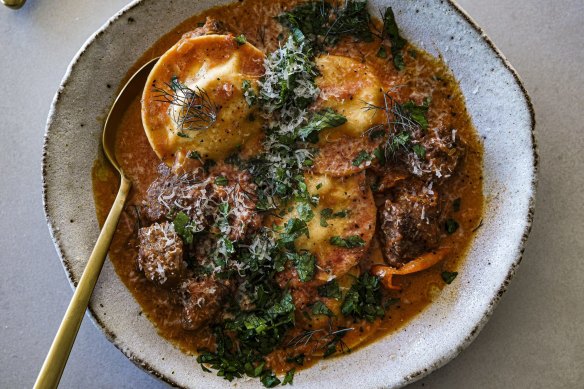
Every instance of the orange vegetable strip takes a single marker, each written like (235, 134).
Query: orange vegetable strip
(423, 262)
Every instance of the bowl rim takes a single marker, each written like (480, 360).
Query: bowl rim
(441, 360)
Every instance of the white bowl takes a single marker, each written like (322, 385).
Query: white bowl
(501, 112)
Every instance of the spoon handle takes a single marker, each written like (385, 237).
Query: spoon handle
(56, 359)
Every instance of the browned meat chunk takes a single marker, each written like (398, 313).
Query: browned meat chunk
(202, 302)
(409, 224)
(160, 256)
(387, 177)
(303, 293)
(169, 192)
(440, 156)
(199, 195)
(210, 27)
(236, 188)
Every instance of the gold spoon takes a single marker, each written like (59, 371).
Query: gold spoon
(50, 373)
(14, 4)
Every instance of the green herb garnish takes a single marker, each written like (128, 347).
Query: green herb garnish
(305, 264)
(330, 290)
(382, 52)
(194, 155)
(419, 150)
(451, 226)
(319, 308)
(221, 181)
(397, 42)
(327, 213)
(241, 40)
(270, 380)
(324, 24)
(181, 225)
(418, 113)
(289, 377)
(363, 301)
(361, 158)
(321, 120)
(448, 276)
(348, 242)
(298, 359)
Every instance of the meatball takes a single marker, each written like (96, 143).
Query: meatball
(409, 224)
(202, 301)
(200, 195)
(160, 256)
(171, 192)
(236, 188)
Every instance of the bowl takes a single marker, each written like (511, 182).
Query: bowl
(500, 110)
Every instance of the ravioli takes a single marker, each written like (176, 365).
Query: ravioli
(347, 156)
(348, 86)
(195, 98)
(352, 212)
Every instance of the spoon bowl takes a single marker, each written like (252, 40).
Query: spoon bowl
(56, 359)
(14, 4)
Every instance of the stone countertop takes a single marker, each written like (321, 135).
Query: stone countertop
(535, 338)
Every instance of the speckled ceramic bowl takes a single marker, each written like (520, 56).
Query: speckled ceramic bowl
(501, 112)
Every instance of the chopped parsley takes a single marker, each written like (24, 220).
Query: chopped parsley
(327, 213)
(456, 205)
(330, 290)
(305, 264)
(240, 40)
(448, 276)
(324, 24)
(319, 308)
(194, 155)
(286, 90)
(289, 377)
(305, 212)
(221, 181)
(182, 226)
(451, 226)
(324, 119)
(363, 300)
(361, 158)
(270, 380)
(382, 52)
(380, 155)
(419, 150)
(397, 42)
(298, 359)
(418, 113)
(405, 121)
(398, 141)
(348, 242)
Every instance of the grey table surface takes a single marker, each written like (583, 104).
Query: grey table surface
(535, 338)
